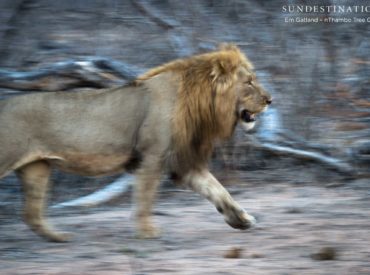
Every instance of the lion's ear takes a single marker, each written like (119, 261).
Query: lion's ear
(223, 69)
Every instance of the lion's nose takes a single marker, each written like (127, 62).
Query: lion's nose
(268, 100)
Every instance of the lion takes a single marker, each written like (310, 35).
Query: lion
(164, 122)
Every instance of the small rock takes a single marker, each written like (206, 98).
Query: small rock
(294, 210)
(233, 253)
(257, 255)
(325, 254)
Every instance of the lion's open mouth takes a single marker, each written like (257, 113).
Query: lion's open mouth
(247, 116)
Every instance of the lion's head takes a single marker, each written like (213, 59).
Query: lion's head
(252, 98)
(216, 90)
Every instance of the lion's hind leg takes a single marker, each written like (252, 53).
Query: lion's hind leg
(35, 179)
(204, 183)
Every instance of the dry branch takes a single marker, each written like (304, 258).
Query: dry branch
(153, 15)
(93, 72)
(108, 193)
(334, 163)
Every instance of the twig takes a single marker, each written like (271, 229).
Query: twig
(108, 193)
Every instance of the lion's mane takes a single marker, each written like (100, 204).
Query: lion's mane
(205, 109)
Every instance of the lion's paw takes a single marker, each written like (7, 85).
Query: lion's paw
(239, 219)
(148, 232)
(59, 237)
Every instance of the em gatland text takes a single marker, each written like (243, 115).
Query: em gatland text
(327, 13)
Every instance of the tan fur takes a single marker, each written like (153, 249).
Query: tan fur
(168, 121)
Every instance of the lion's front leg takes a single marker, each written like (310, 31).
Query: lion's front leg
(204, 183)
(148, 179)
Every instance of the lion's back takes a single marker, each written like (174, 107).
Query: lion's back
(77, 121)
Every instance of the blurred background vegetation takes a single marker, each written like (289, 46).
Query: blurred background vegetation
(314, 137)
(318, 73)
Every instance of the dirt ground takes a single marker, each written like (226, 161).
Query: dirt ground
(296, 222)
(319, 77)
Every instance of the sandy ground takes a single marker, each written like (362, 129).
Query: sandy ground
(295, 222)
(296, 217)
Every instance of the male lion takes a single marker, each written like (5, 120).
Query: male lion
(165, 121)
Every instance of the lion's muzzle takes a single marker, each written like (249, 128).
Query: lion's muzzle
(247, 120)
(247, 117)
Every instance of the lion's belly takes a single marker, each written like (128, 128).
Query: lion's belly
(91, 164)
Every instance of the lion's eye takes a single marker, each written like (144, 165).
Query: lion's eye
(248, 82)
